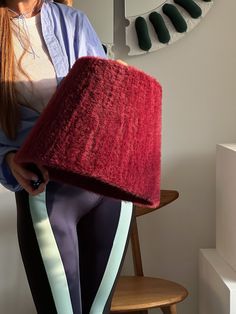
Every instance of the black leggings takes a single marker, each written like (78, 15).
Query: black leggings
(72, 243)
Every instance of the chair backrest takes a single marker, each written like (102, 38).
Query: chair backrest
(167, 196)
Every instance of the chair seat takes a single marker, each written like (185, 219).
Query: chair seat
(167, 197)
(140, 293)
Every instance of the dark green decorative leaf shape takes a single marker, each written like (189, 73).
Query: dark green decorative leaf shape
(176, 18)
(144, 40)
(191, 7)
(160, 27)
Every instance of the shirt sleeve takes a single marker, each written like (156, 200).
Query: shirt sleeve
(88, 41)
(28, 120)
(6, 177)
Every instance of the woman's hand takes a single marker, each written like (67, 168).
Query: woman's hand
(122, 62)
(24, 176)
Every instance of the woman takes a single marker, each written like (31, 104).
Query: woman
(72, 241)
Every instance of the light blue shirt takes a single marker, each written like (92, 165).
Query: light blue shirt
(68, 36)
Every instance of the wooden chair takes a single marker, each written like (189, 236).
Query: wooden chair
(138, 293)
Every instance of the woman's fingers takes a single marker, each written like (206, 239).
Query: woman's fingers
(18, 168)
(24, 176)
(26, 184)
(23, 182)
(25, 173)
(121, 62)
(44, 172)
(40, 189)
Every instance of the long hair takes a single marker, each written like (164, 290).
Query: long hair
(9, 111)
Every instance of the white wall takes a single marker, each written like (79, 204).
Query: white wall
(14, 290)
(198, 75)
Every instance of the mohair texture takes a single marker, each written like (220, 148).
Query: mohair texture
(102, 131)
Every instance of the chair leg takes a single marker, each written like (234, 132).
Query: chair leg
(169, 309)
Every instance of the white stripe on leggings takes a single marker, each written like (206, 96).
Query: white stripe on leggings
(50, 254)
(114, 260)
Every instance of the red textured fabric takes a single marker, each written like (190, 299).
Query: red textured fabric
(102, 131)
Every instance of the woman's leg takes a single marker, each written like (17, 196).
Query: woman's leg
(103, 238)
(49, 246)
(31, 256)
(65, 206)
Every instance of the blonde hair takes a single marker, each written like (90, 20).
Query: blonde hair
(9, 113)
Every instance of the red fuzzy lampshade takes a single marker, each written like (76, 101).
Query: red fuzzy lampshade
(102, 131)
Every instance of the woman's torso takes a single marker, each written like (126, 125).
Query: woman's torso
(31, 52)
